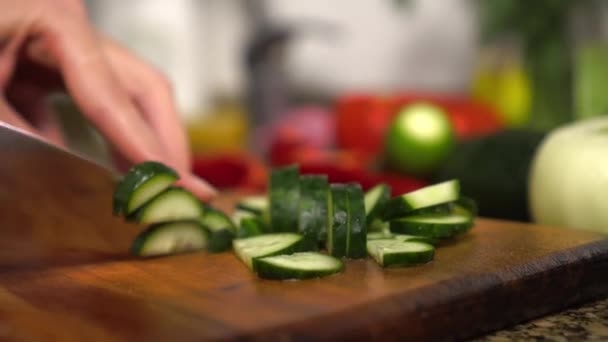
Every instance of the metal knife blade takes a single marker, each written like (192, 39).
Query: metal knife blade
(55, 206)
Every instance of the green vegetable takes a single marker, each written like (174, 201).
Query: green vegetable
(433, 226)
(314, 193)
(141, 183)
(173, 204)
(426, 197)
(284, 199)
(302, 265)
(249, 249)
(170, 238)
(392, 252)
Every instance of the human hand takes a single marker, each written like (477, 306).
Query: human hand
(46, 46)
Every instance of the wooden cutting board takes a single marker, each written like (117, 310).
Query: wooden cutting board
(65, 275)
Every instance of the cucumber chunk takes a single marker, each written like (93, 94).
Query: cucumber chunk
(174, 204)
(170, 238)
(393, 252)
(429, 196)
(255, 204)
(249, 249)
(141, 183)
(375, 199)
(284, 199)
(220, 229)
(302, 265)
(433, 226)
(337, 234)
(314, 191)
(357, 228)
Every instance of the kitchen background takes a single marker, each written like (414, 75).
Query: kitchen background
(319, 83)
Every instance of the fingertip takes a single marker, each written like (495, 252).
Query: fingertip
(199, 187)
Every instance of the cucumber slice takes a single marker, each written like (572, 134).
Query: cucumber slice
(284, 199)
(400, 237)
(357, 228)
(220, 229)
(380, 236)
(239, 215)
(375, 199)
(314, 190)
(170, 238)
(303, 265)
(466, 205)
(393, 252)
(255, 204)
(250, 226)
(249, 249)
(429, 196)
(141, 183)
(174, 204)
(435, 226)
(337, 234)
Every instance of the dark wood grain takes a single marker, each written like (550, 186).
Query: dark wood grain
(65, 275)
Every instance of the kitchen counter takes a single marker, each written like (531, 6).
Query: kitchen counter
(585, 323)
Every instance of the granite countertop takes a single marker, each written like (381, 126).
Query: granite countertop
(584, 323)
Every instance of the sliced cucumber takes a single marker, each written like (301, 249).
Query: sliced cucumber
(220, 228)
(314, 191)
(239, 215)
(257, 205)
(174, 204)
(357, 228)
(249, 249)
(393, 252)
(170, 238)
(375, 199)
(141, 183)
(400, 237)
(250, 226)
(337, 234)
(284, 199)
(304, 265)
(434, 226)
(429, 196)
(466, 205)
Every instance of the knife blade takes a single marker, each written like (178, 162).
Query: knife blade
(55, 206)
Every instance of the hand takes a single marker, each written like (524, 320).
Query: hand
(50, 45)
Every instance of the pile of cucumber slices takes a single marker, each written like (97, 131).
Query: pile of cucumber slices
(303, 228)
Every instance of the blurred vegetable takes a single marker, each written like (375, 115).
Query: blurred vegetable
(494, 171)
(569, 177)
(418, 139)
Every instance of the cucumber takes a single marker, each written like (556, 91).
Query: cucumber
(393, 252)
(357, 228)
(170, 238)
(400, 237)
(429, 196)
(314, 191)
(466, 205)
(249, 249)
(375, 199)
(304, 265)
(250, 226)
(254, 204)
(239, 215)
(433, 226)
(284, 199)
(141, 183)
(337, 234)
(220, 229)
(173, 204)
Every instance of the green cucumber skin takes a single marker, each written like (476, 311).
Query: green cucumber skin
(357, 234)
(338, 234)
(220, 240)
(139, 216)
(284, 199)
(430, 230)
(251, 226)
(439, 209)
(267, 270)
(376, 211)
(133, 179)
(217, 219)
(314, 190)
(466, 204)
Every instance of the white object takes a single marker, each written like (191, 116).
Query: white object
(569, 177)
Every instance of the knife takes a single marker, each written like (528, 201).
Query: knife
(55, 206)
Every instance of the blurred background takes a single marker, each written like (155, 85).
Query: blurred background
(320, 83)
